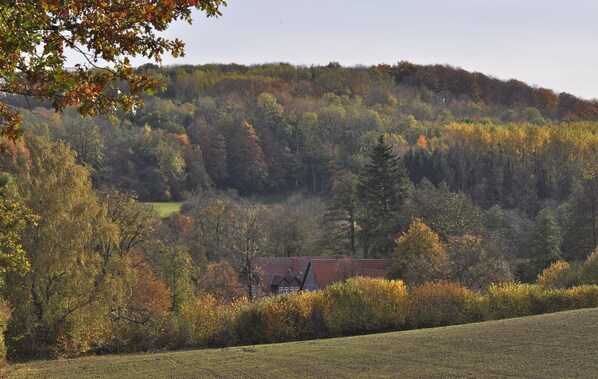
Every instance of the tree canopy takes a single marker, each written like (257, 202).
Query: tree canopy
(36, 37)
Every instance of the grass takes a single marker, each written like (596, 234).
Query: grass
(166, 209)
(557, 345)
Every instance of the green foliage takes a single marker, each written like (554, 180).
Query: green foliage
(580, 220)
(14, 217)
(174, 265)
(382, 189)
(166, 210)
(546, 240)
(448, 213)
(4, 317)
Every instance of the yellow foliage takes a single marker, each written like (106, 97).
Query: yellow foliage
(552, 277)
(364, 305)
(439, 303)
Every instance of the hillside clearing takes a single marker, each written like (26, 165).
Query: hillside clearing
(560, 345)
(166, 209)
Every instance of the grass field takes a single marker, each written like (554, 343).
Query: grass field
(166, 209)
(557, 345)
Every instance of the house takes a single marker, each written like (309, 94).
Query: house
(280, 274)
(320, 273)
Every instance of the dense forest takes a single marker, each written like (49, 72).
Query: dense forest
(455, 175)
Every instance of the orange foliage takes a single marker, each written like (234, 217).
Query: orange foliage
(183, 138)
(150, 297)
(220, 281)
(422, 141)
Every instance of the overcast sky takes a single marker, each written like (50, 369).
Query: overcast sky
(548, 43)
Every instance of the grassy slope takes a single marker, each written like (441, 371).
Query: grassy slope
(556, 345)
(166, 209)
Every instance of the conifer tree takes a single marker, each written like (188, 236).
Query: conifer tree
(382, 189)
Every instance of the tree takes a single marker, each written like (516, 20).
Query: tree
(296, 226)
(174, 266)
(447, 213)
(420, 256)
(220, 280)
(249, 242)
(247, 167)
(36, 37)
(546, 240)
(64, 297)
(473, 265)
(344, 201)
(382, 189)
(580, 220)
(14, 217)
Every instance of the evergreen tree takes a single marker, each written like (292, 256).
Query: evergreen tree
(546, 240)
(382, 189)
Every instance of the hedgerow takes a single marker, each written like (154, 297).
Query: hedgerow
(366, 305)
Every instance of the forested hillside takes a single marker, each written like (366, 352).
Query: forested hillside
(279, 128)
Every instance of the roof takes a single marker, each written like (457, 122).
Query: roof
(278, 279)
(269, 267)
(328, 271)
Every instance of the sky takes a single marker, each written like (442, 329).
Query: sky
(549, 43)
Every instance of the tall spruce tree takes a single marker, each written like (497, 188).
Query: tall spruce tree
(382, 189)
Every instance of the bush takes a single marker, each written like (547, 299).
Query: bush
(510, 300)
(558, 275)
(583, 296)
(515, 300)
(589, 270)
(438, 304)
(207, 323)
(4, 316)
(289, 317)
(365, 305)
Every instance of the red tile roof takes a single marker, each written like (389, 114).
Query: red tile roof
(328, 271)
(269, 267)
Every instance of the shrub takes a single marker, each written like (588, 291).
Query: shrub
(583, 296)
(589, 270)
(4, 316)
(363, 305)
(288, 317)
(249, 326)
(208, 323)
(559, 274)
(510, 300)
(439, 303)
